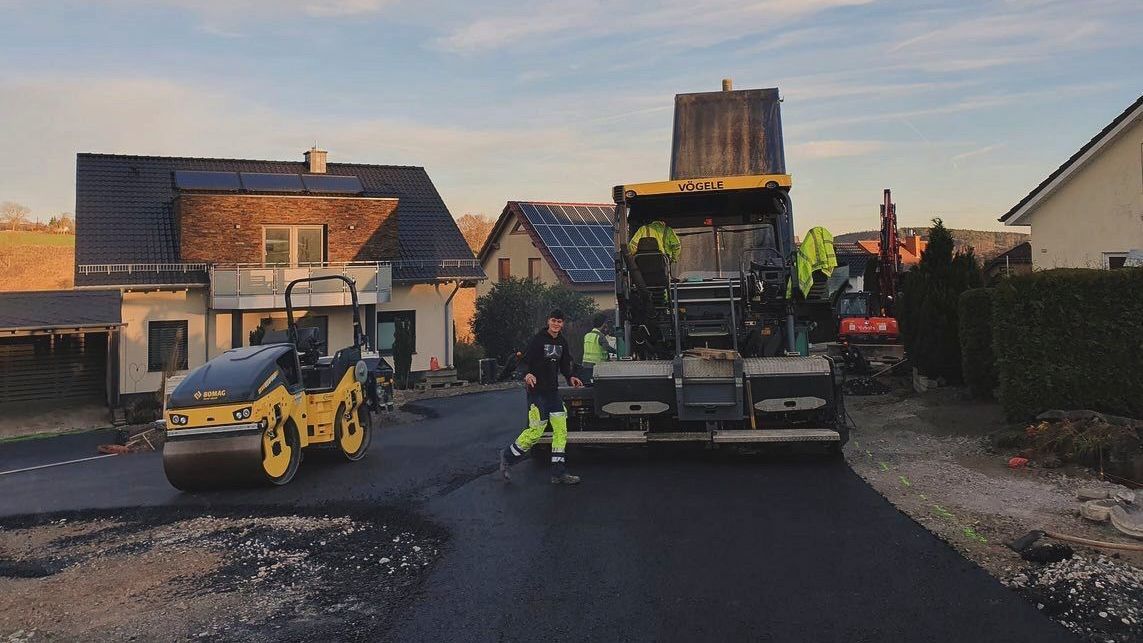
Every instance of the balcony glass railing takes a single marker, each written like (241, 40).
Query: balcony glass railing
(260, 286)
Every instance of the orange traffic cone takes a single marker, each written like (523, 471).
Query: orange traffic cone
(434, 365)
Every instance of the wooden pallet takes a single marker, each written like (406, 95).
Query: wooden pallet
(426, 385)
(711, 353)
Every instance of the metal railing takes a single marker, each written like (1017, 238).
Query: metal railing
(264, 286)
(131, 268)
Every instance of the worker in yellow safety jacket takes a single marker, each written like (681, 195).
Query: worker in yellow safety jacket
(596, 346)
(668, 241)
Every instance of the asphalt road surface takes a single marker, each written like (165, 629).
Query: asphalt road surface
(667, 546)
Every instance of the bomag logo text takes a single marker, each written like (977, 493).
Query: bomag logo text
(698, 186)
(210, 395)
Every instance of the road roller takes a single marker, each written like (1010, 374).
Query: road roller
(245, 417)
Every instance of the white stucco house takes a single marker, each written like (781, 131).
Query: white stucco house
(1088, 213)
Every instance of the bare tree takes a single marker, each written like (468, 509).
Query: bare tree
(13, 214)
(66, 223)
(475, 228)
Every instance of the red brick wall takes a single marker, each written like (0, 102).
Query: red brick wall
(207, 233)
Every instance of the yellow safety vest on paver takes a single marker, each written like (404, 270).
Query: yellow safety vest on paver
(816, 253)
(593, 353)
(668, 241)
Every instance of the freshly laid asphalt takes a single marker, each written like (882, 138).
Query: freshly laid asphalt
(676, 546)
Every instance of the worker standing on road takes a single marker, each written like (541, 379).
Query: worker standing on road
(596, 346)
(662, 233)
(546, 358)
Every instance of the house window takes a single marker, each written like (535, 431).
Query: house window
(1114, 260)
(534, 268)
(505, 269)
(166, 344)
(293, 245)
(387, 323)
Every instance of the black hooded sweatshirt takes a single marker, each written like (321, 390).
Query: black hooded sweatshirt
(547, 358)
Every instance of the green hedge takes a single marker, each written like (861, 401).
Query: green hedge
(1070, 339)
(977, 360)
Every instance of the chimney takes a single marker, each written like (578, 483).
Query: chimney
(315, 159)
(727, 84)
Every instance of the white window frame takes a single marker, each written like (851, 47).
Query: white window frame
(1107, 258)
(294, 241)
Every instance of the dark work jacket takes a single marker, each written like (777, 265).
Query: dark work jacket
(547, 358)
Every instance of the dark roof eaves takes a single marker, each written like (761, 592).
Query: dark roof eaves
(152, 157)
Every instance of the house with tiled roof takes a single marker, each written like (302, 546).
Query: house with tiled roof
(201, 250)
(566, 243)
(1088, 213)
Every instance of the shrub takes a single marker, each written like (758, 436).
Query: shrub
(515, 310)
(928, 310)
(977, 360)
(466, 359)
(1070, 339)
(144, 408)
(402, 353)
(257, 335)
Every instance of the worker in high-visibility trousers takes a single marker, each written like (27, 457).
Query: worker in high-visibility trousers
(596, 347)
(662, 233)
(546, 358)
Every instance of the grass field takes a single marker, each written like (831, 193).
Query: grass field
(36, 261)
(9, 238)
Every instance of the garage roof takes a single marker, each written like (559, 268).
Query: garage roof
(59, 309)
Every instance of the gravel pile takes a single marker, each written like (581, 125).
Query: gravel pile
(247, 574)
(1099, 598)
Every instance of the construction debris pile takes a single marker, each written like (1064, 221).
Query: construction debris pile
(1111, 444)
(1115, 506)
(1098, 598)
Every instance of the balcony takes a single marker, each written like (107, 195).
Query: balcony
(258, 287)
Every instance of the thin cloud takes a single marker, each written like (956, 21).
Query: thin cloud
(816, 150)
(676, 22)
(981, 151)
(246, 11)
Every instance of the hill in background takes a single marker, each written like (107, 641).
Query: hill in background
(36, 261)
(985, 243)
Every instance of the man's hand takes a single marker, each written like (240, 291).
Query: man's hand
(575, 382)
(530, 380)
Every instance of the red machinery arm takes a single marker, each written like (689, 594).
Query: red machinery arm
(889, 256)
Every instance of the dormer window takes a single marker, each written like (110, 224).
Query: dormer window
(293, 245)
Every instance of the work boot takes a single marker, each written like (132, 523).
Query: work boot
(564, 478)
(504, 464)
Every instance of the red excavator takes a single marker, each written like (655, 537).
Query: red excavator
(867, 330)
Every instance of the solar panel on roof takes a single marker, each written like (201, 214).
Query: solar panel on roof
(199, 180)
(579, 238)
(332, 184)
(605, 236)
(561, 233)
(562, 258)
(583, 276)
(267, 182)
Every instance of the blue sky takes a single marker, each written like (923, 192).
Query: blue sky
(960, 107)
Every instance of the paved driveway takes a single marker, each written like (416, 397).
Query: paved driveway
(687, 546)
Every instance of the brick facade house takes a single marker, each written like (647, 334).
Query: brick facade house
(201, 250)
